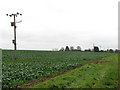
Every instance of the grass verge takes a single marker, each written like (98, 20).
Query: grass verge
(98, 75)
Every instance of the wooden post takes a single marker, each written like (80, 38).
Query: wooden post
(15, 47)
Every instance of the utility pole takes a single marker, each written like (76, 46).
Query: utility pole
(14, 24)
(100, 47)
(93, 45)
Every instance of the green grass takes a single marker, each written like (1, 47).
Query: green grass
(119, 70)
(0, 69)
(91, 76)
(38, 65)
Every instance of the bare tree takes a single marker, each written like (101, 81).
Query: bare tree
(67, 48)
(79, 48)
(62, 49)
(71, 48)
(116, 51)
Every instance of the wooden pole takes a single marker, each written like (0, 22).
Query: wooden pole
(15, 47)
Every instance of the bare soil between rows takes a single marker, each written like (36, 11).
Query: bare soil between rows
(32, 83)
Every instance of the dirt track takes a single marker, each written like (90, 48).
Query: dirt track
(93, 62)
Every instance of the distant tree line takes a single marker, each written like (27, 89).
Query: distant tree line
(67, 48)
(95, 49)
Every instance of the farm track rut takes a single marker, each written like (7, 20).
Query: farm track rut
(32, 83)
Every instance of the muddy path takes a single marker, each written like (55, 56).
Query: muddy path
(32, 83)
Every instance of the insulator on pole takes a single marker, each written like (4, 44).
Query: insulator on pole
(10, 15)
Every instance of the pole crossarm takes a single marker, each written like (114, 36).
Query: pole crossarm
(14, 14)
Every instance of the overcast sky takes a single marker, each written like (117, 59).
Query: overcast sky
(49, 24)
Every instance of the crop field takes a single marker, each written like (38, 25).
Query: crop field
(33, 66)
